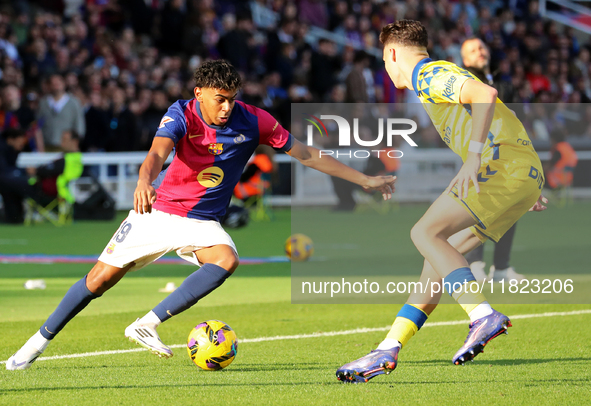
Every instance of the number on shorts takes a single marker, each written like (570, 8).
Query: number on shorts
(125, 228)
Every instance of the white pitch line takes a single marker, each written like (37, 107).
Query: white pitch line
(315, 335)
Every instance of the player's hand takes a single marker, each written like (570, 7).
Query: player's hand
(468, 172)
(143, 197)
(539, 205)
(383, 184)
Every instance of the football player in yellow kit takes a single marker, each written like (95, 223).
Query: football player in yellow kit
(500, 180)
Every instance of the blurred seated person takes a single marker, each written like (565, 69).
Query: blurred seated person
(560, 168)
(40, 184)
(14, 182)
(255, 178)
(48, 177)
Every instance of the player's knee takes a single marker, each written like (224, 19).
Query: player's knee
(97, 283)
(418, 234)
(228, 262)
(102, 277)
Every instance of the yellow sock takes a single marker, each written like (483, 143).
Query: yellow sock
(402, 330)
(466, 299)
(408, 321)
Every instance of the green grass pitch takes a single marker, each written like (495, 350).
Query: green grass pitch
(543, 360)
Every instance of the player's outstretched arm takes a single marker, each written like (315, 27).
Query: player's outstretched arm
(310, 157)
(482, 99)
(145, 195)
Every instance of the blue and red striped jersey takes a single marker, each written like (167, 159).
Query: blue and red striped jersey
(209, 159)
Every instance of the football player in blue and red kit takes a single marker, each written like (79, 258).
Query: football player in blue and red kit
(213, 136)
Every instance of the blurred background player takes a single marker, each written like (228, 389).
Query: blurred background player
(476, 59)
(563, 160)
(499, 181)
(256, 178)
(377, 164)
(213, 136)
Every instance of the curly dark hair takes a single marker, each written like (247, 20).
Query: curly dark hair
(405, 32)
(218, 74)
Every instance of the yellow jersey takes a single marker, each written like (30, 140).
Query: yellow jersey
(438, 85)
(510, 176)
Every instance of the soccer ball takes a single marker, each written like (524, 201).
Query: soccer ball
(299, 247)
(212, 345)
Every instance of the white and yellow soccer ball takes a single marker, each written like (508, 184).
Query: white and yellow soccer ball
(299, 247)
(212, 345)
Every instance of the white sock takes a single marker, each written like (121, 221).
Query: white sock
(151, 318)
(480, 311)
(39, 342)
(388, 344)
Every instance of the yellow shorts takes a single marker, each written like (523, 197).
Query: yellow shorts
(507, 191)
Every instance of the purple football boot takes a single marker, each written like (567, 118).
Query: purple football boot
(481, 332)
(375, 363)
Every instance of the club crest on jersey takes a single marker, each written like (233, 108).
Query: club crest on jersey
(239, 139)
(165, 120)
(216, 148)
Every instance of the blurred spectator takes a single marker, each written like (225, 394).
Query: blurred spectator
(274, 93)
(446, 49)
(11, 102)
(12, 142)
(537, 80)
(8, 118)
(476, 59)
(149, 49)
(277, 42)
(285, 64)
(314, 12)
(235, 46)
(324, 66)
(386, 92)
(349, 30)
(13, 180)
(151, 118)
(97, 124)
(13, 108)
(142, 15)
(7, 40)
(38, 60)
(122, 134)
(252, 93)
(20, 27)
(337, 94)
(357, 86)
(338, 14)
(58, 112)
(172, 22)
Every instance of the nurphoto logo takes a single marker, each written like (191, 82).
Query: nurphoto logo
(402, 127)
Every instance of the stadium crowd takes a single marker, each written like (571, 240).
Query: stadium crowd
(108, 69)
